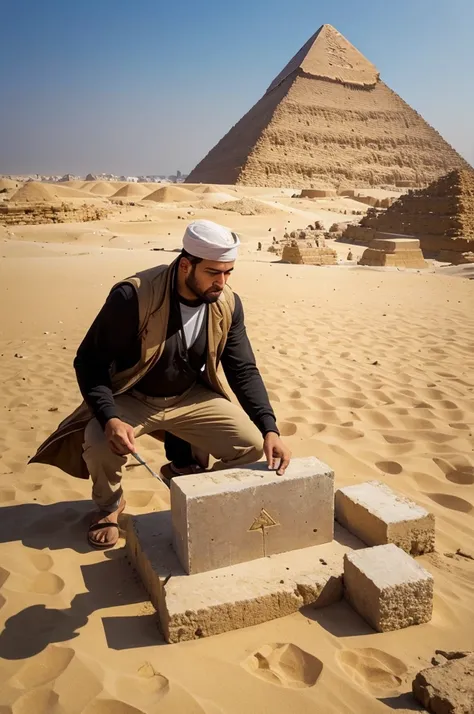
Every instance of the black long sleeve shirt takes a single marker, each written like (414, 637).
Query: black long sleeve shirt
(112, 341)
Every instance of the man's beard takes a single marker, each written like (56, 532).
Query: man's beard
(208, 296)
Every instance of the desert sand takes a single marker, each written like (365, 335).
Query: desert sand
(370, 370)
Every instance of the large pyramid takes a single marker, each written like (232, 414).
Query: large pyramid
(328, 120)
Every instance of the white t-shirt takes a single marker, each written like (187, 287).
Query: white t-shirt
(192, 318)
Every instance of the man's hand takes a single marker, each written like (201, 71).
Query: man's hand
(120, 437)
(278, 455)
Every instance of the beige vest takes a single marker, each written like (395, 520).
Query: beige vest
(63, 448)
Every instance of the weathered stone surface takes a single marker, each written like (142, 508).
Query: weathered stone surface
(440, 215)
(233, 516)
(448, 688)
(389, 250)
(193, 606)
(388, 588)
(317, 193)
(394, 243)
(305, 255)
(377, 515)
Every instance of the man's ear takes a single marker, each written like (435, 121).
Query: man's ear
(185, 266)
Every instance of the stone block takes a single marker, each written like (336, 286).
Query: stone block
(205, 604)
(448, 688)
(226, 517)
(388, 588)
(377, 515)
(394, 243)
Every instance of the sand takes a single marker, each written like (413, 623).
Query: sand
(370, 370)
(248, 207)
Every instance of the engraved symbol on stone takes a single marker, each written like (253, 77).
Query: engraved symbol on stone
(261, 523)
(263, 520)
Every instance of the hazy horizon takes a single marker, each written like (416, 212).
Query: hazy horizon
(142, 89)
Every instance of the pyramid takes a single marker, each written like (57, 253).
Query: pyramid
(441, 216)
(327, 120)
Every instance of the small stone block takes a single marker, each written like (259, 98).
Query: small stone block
(388, 588)
(447, 688)
(377, 515)
(227, 517)
(205, 604)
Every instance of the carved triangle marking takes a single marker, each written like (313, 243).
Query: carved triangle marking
(263, 520)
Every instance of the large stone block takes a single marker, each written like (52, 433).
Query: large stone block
(194, 606)
(227, 517)
(388, 588)
(377, 515)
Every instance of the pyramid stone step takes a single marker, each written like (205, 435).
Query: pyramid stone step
(227, 517)
(377, 515)
(388, 588)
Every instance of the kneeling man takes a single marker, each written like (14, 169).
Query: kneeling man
(148, 365)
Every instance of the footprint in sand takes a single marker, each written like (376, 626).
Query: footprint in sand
(373, 670)
(288, 428)
(460, 473)
(41, 561)
(7, 494)
(285, 665)
(462, 476)
(139, 499)
(389, 467)
(148, 687)
(43, 668)
(392, 439)
(47, 584)
(42, 700)
(4, 575)
(454, 503)
(110, 706)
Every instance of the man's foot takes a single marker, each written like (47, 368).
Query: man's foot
(170, 471)
(104, 529)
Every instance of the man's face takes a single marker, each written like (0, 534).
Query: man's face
(207, 279)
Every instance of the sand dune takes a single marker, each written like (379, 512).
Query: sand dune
(132, 190)
(171, 194)
(371, 371)
(34, 191)
(102, 188)
(8, 184)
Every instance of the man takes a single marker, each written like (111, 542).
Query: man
(148, 365)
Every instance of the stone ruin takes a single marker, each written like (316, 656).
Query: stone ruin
(305, 247)
(440, 217)
(27, 213)
(390, 250)
(244, 546)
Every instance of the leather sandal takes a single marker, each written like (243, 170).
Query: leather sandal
(97, 525)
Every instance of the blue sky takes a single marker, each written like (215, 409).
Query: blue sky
(149, 86)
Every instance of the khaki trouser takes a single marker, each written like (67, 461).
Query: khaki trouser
(204, 419)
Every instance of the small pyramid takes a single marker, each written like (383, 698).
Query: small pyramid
(327, 120)
(441, 216)
(263, 520)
